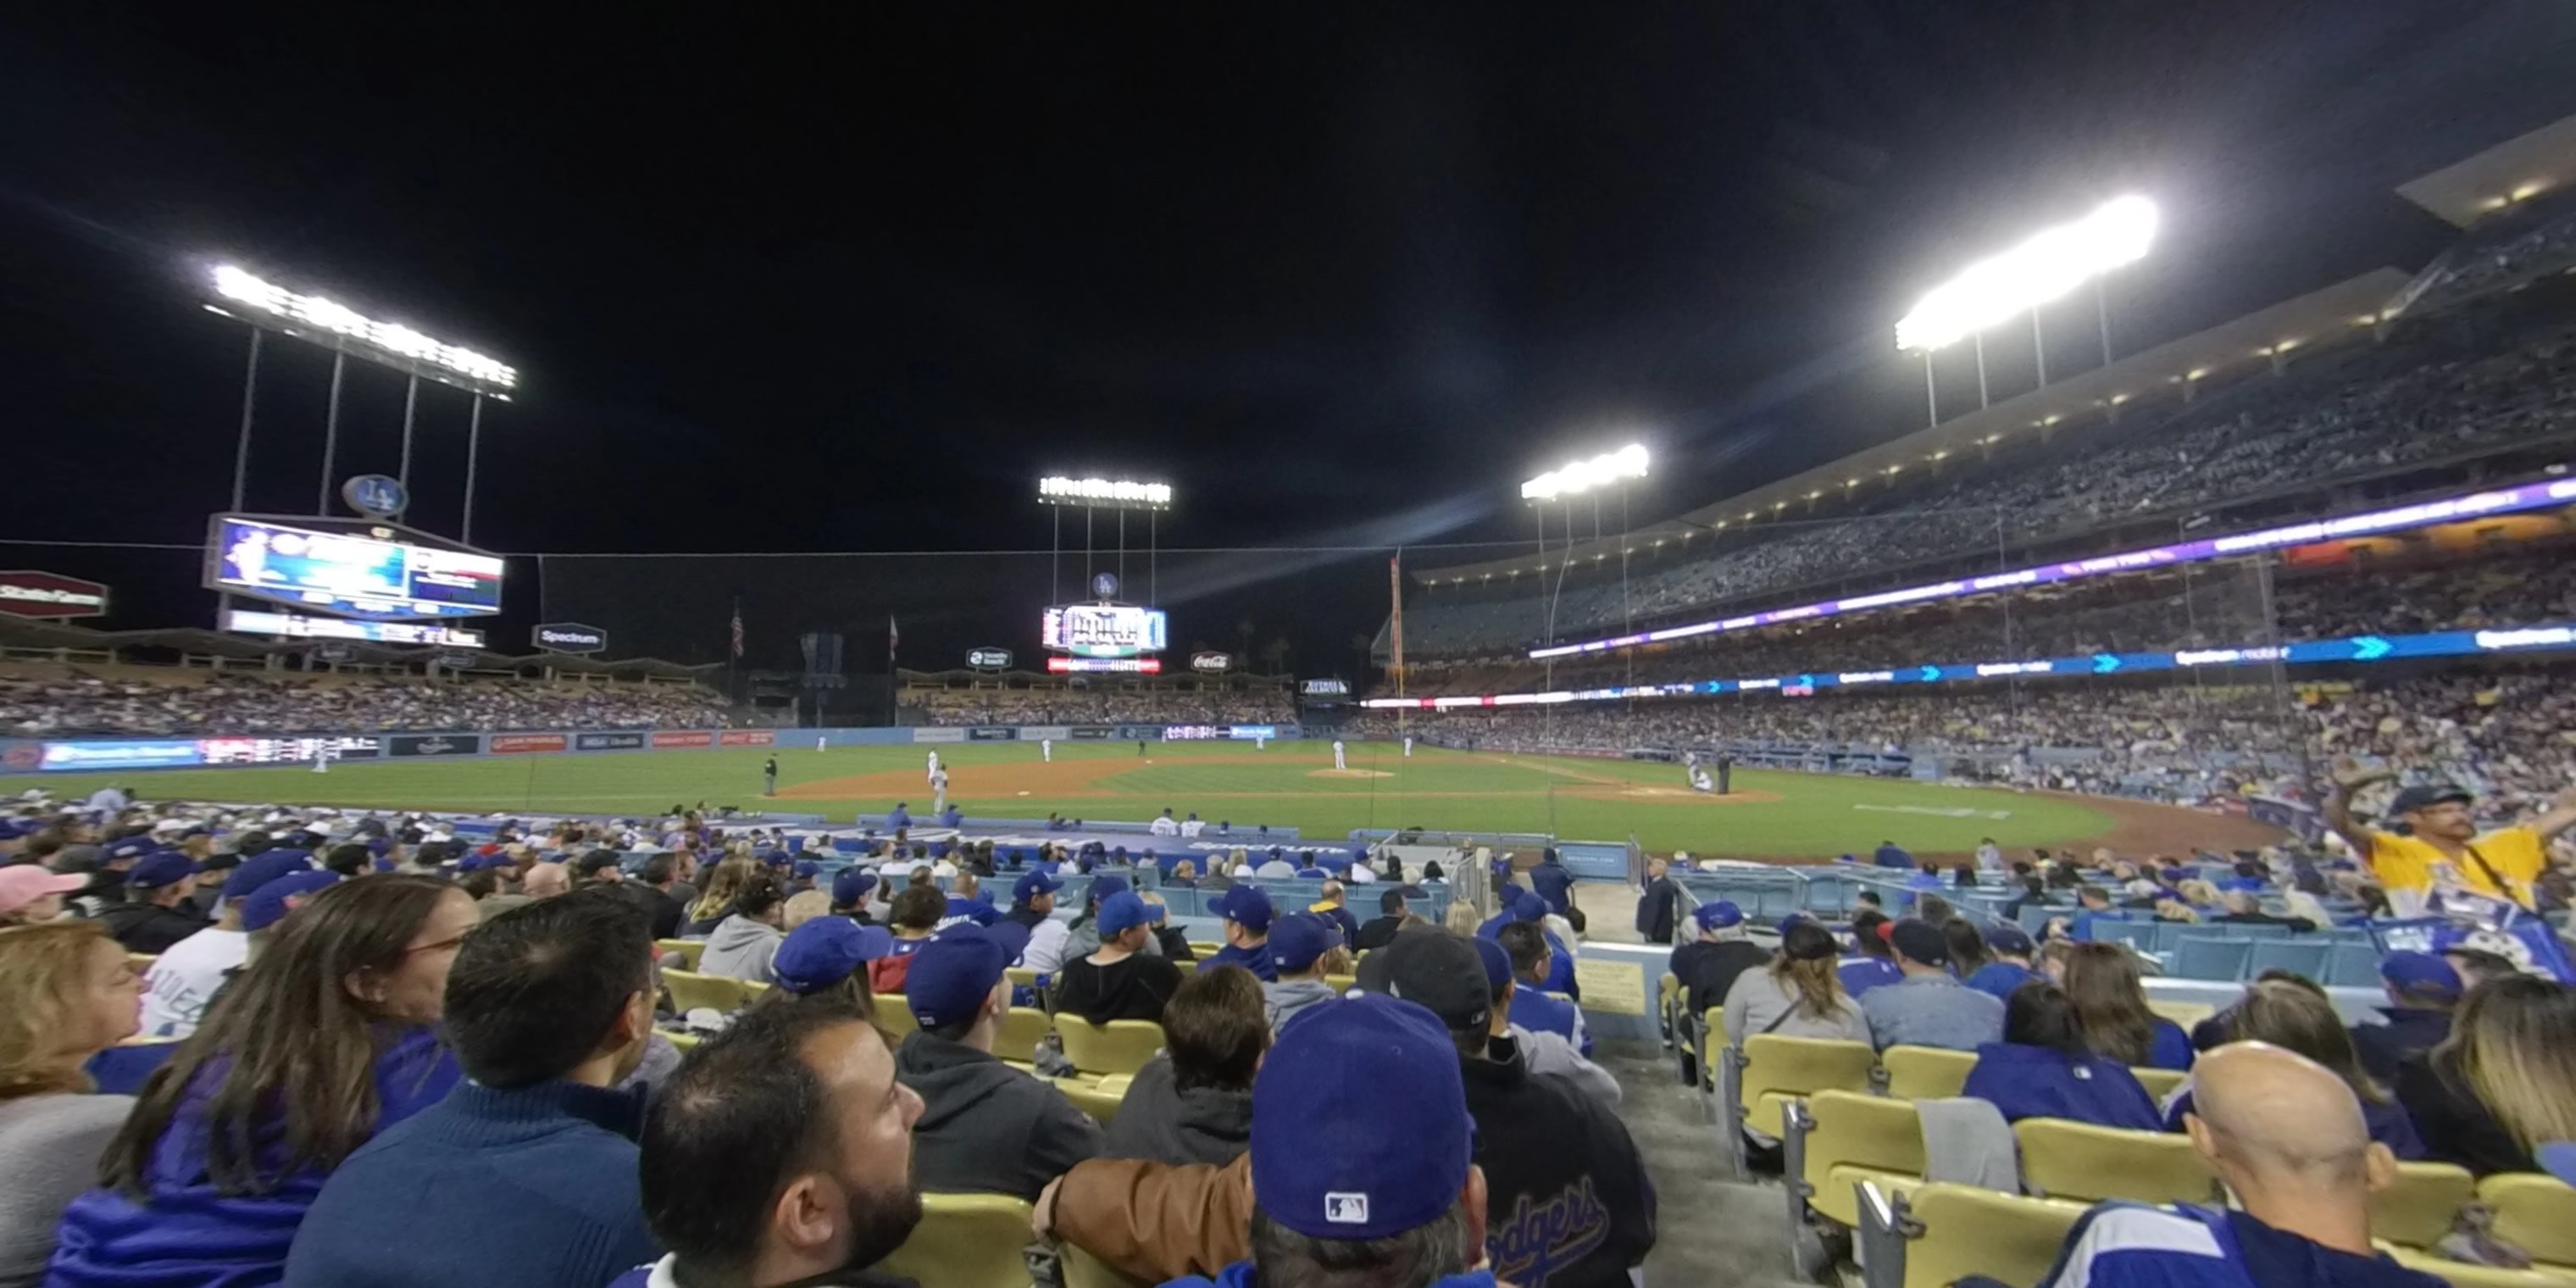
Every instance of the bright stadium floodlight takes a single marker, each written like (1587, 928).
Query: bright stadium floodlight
(394, 344)
(1115, 493)
(2047, 267)
(1582, 476)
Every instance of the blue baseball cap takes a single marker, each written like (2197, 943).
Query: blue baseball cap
(1246, 906)
(1718, 915)
(1297, 939)
(1102, 887)
(806, 870)
(2009, 938)
(1346, 1077)
(161, 868)
(270, 905)
(2420, 973)
(824, 951)
(1527, 906)
(260, 869)
(851, 886)
(132, 847)
(1122, 912)
(951, 975)
(1496, 960)
(1035, 882)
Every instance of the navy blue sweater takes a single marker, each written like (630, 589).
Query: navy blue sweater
(535, 1186)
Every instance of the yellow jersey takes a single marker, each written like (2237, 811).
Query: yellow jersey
(2515, 853)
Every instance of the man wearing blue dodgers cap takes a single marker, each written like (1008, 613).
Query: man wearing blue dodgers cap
(985, 1127)
(828, 952)
(1321, 1185)
(1297, 946)
(155, 914)
(2010, 969)
(1247, 913)
(1033, 906)
(2423, 990)
(850, 889)
(1707, 966)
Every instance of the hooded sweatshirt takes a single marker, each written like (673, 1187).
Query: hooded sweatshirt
(741, 948)
(1287, 997)
(1162, 1123)
(985, 1127)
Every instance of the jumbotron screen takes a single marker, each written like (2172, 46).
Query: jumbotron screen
(374, 571)
(1102, 630)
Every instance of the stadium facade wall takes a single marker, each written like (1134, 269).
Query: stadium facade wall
(75, 755)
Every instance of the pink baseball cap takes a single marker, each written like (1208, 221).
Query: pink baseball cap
(24, 883)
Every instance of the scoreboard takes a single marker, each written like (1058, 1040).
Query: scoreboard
(1103, 630)
(350, 568)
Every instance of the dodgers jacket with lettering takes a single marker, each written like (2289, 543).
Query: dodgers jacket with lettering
(1568, 1203)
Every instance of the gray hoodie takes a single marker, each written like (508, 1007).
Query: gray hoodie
(741, 948)
(1161, 1122)
(1287, 997)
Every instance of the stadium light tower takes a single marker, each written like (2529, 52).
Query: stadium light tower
(266, 306)
(1568, 482)
(2047, 267)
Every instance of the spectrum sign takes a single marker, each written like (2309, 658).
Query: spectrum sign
(2529, 496)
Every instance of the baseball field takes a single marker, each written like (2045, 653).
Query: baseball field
(1768, 815)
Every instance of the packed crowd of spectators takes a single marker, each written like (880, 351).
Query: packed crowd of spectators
(2510, 736)
(2213, 607)
(2522, 240)
(230, 702)
(2341, 415)
(1142, 705)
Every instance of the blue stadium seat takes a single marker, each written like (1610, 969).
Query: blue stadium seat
(2210, 957)
(2140, 935)
(2034, 916)
(2305, 956)
(2352, 964)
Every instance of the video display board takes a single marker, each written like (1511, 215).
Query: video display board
(372, 570)
(1103, 630)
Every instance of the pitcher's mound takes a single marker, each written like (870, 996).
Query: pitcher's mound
(1349, 773)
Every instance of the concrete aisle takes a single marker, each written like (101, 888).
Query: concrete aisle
(1712, 1229)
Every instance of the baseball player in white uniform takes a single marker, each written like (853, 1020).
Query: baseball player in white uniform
(1408, 746)
(1046, 750)
(933, 771)
(938, 790)
(818, 742)
(1337, 755)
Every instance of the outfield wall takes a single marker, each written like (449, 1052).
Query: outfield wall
(74, 755)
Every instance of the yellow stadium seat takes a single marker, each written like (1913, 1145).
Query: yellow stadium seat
(722, 993)
(965, 1241)
(1852, 1136)
(1775, 1070)
(2534, 1212)
(682, 954)
(2159, 1083)
(1926, 1073)
(1022, 1029)
(894, 1014)
(1083, 1270)
(1120, 1046)
(2461, 1274)
(2416, 1211)
(686, 1042)
(1022, 976)
(1095, 1099)
(1341, 984)
(2063, 1159)
(2180, 1012)
(1204, 949)
(1961, 1230)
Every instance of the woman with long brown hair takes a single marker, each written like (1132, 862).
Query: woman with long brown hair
(2295, 1016)
(715, 903)
(2504, 1083)
(71, 994)
(2102, 979)
(1798, 995)
(328, 1038)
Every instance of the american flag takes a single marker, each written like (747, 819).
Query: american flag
(737, 630)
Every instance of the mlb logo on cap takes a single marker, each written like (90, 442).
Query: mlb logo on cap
(1346, 1209)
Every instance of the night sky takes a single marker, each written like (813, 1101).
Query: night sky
(1343, 275)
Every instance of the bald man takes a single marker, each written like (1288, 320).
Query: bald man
(2287, 1137)
(546, 880)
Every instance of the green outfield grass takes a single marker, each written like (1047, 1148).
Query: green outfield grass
(1784, 814)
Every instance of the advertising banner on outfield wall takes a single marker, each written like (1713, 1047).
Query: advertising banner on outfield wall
(505, 744)
(943, 734)
(747, 738)
(1092, 733)
(1045, 733)
(625, 741)
(122, 753)
(992, 733)
(287, 751)
(683, 738)
(433, 744)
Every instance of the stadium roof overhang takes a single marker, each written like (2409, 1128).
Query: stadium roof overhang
(2515, 170)
(2320, 317)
